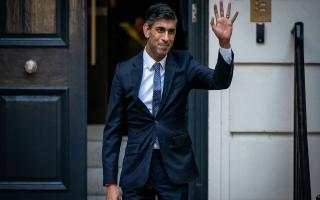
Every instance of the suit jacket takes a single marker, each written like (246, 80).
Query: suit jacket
(182, 73)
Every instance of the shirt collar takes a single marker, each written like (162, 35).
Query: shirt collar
(149, 61)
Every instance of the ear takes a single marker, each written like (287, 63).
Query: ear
(146, 30)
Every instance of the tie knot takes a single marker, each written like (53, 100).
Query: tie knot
(156, 66)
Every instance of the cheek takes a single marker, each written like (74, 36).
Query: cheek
(155, 41)
(172, 38)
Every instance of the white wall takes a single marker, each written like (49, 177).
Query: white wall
(251, 124)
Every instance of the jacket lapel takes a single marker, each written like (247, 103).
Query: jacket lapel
(170, 69)
(136, 74)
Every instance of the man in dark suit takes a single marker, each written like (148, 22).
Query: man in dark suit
(149, 96)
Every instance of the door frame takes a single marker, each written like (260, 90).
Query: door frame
(198, 99)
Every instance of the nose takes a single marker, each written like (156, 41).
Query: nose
(166, 36)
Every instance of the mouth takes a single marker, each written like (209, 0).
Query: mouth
(164, 46)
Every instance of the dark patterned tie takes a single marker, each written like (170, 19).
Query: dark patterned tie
(156, 95)
(156, 89)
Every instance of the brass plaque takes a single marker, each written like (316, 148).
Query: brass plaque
(260, 10)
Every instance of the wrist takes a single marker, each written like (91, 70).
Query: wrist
(225, 44)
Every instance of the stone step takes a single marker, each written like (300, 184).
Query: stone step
(95, 132)
(102, 197)
(94, 181)
(94, 149)
(95, 189)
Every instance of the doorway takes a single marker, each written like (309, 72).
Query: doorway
(114, 36)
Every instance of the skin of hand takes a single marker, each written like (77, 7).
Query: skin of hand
(113, 193)
(221, 25)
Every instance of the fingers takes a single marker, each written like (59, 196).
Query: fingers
(228, 10)
(213, 24)
(216, 14)
(215, 11)
(212, 21)
(113, 193)
(234, 17)
(221, 8)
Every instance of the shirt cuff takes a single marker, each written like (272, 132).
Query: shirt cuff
(226, 54)
(108, 185)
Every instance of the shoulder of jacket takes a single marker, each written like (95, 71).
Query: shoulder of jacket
(181, 53)
(131, 61)
(182, 56)
(128, 61)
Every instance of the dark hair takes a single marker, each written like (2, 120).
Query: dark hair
(159, 11)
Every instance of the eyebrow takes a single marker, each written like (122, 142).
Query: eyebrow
(167, 29)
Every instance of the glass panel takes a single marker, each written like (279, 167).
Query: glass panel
(14, 14)
(31, 16)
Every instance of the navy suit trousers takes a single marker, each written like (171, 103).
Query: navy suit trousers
(158, 184)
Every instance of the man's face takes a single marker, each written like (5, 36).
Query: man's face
(160, 37)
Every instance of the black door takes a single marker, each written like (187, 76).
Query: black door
(42, 99)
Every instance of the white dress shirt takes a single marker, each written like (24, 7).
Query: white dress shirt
(146, 86)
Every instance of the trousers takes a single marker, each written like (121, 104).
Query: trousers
(158, 185)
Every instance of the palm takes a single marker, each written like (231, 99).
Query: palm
(223, 28)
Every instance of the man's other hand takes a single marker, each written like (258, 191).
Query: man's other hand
(113, 193)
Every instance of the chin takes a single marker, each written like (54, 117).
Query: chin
(163, 52)
(162, 55)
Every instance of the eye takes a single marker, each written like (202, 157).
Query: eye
(172, 31)
(160, 29)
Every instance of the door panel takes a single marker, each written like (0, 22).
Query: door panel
(43, 114)
(35, 121)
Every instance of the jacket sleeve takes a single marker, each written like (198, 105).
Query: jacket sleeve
(202, 77)
(112, 134)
